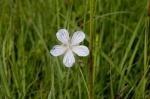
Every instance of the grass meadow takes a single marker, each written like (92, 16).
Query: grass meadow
(117, 34)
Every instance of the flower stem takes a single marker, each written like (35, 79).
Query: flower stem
(91, 66)
(149, 8)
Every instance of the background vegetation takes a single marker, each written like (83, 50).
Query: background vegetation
(121, 49)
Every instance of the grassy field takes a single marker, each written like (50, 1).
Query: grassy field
(117, 31)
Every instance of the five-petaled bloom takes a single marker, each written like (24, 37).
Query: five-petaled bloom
(69, 46)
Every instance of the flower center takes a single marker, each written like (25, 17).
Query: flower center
(68, 46)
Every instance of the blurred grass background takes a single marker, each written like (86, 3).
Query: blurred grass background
(121, 52)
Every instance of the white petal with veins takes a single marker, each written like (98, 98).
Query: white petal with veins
(69, 59)
(63, 36)
(80, 50)
(58, 50)
(77, 37)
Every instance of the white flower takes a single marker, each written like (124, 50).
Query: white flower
(69, 46)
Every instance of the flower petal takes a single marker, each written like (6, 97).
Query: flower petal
(77, 37)
(69, 59)
(63, 36)
(81, 50)
(58, 50)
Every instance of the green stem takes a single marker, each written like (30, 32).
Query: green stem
(149, 8)
(91, 66)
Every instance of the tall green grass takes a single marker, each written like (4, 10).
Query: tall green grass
(117, 32)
